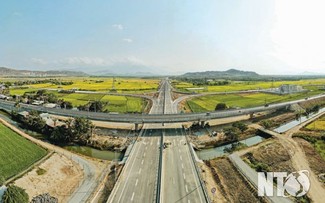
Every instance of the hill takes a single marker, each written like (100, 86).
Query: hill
(29, 73)
(231, 73)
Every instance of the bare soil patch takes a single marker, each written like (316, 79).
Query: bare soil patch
(60, 178)
(274, 155)
(232, 186)
(316, 163)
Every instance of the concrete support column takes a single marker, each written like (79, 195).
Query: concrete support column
(251, 115)
(202, 123)
(136, 126)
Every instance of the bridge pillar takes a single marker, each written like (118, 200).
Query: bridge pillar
(136, 126)
(251, 115)
(202, 123)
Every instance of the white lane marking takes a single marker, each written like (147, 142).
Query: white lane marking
(139, 170)
(188, 201)
(184, 176)
(182, 166)
(146, 148)
(186, 188)
(136, 182)
(181, 157)
(151, 142)
(142, 161)
(132, 197)
(144, 154)
(179, 150)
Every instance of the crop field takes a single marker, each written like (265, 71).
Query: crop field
(16, 153)
(129, 85)
(112, 103)
(318, 124)
(248, 85)
(208, 103)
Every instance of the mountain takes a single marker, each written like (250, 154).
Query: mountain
(123, 70)
(29, 73)
(308, 73)
(231, 73)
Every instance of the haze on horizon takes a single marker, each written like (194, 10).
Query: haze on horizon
(268, 37)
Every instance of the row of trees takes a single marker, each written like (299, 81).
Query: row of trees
(77, 130)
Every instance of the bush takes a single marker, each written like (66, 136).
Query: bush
(15, 194)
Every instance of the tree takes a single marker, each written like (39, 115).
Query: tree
(15, 194)
(96, 106)
(232, 133)
(66, 105)
(240, 125)
(221, 106)
(52, 98)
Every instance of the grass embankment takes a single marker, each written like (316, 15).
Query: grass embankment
(16, 153)
(208, 103)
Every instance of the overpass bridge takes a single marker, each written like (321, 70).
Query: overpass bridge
(150, 118)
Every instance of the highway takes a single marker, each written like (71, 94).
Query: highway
(139, 180)
(154, 117)
(146, 176)
(180, 181)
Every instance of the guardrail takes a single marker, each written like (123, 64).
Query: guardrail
(152, 118)
(206, 196)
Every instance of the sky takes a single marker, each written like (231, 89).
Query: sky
(269, 36)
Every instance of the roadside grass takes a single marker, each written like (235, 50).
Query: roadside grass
(208, 103)
(318, 124)
(320, 148)
(16, 153)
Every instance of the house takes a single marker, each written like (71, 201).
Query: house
(23, 114)
(50, 105)
(37, 102)
(4, 97)
(51, 123)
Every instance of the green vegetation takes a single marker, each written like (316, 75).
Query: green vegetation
(15, 194)
(317, 141)
(40, 171)
(258, 166)
(16, 153)
(246, 85)
(208, 103)
(318, 125)
(137, 85)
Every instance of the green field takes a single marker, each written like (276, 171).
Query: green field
(112, 103)
(208, 103)
(319, 124)
(16, 153)
(134, 85)
(248, 85)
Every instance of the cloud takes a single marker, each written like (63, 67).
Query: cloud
(97, 61)
(118, 26)
(128, 40)
(39, 61)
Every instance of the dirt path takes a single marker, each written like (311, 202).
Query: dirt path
(299, 160)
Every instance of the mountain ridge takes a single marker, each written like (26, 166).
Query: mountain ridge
(4, 71)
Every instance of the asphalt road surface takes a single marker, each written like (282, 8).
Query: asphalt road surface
(140, 180)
